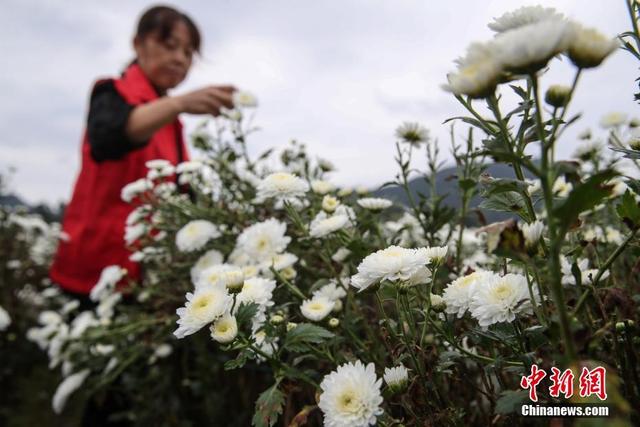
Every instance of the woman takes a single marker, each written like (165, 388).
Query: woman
(131, 120)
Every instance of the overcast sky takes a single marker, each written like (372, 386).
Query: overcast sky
(337, 75)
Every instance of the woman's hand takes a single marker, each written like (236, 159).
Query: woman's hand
(207, 100)
(146, 119)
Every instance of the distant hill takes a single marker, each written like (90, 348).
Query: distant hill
(446, 185)
(48, 214)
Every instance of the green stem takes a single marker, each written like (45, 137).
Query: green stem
(556, 241)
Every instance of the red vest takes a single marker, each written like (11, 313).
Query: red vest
(95, 218)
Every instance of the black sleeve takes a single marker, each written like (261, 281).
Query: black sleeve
(108, 115)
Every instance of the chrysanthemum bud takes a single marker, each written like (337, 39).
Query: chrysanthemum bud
(634, 122)
(288, 273)
(334, 322)
(634, 143)
(234, 281)
(329, 203)
(438, 303)
(557, 95)
(627, 324)
(344, 192)
(291, 326)
(585, 134)
(588, 47)
(276, 319)
(396, 378)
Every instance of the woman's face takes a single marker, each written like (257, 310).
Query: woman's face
(166, 63)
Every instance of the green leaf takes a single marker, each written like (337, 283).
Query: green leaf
(238, 362)
(502, 185)
(467, 184)
(630, 154)
(509, 201)
(510, 401)
(246, 312)
(299, 337)
(584, 196)
(475, 122)
(629, 211)
(269, 406)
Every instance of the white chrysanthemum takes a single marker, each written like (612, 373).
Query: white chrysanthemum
(351, 396)
(244, 99)
(105, 309)
(412, 133)
(534, 186)
(163, 350)
(66, 387)
(437, 253)
(322, 187)
(109, 277)
(346, 211)
(5, 319)
(395, 264)
(330, 203)
(586, 274)
(396, 377)
(341, 254)
(157, 164)
(500, 299)
(587, 148)
(70, 306)
(619, 187)
(333, 290)
(189, 166)
(561, 188)
(281, 185)
(317, 308)
(612, 235)
(225, 329)
(478, 72)
(613, 119)
(165, 189)
(589, 47)
(202, 307)
(323, 225)
(567, 275)
(523, 16)
(257, 290)
(261, 241)
(362, 190)
(279, 262)
(458, 294)
(208, 259)
(135, 188)
(137, 214)
(82, 322)
(345, 192)
(195, 235)
(528, 48)
(374, 203)
(532, 232)
(226, 275)
(134, 232)
(155, 174)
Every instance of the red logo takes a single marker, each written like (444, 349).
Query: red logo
(592, 382)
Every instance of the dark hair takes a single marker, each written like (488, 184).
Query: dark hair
(161, 19)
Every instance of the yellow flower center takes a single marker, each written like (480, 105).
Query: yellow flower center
(347, 401)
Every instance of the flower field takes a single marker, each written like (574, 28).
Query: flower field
(271, 296)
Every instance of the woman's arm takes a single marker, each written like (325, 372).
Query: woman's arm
(146, 119)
